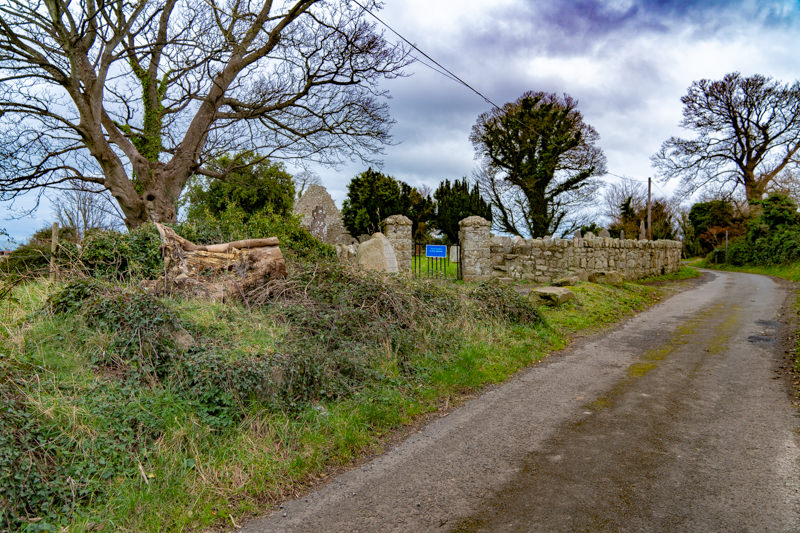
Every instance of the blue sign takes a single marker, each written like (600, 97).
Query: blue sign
(436, 250)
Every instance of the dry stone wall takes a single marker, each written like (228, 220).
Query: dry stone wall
(545, 260)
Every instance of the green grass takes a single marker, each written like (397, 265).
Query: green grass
(166, 467)
(685, 272)
(790, 272)
(435, 268)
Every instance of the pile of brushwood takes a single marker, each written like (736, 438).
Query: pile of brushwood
(96, 373)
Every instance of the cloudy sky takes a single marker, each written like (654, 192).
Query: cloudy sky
(627, 62)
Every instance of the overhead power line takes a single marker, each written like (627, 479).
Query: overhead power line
(441, 68)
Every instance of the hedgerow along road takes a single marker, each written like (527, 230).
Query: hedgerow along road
(681, 419)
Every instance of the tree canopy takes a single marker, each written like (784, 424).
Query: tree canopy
(455, 202)
(371, 197)
(137, 97)
(253, 186)
(538, 160)
(747, 132)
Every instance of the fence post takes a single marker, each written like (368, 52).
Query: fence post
(53, 246)
(397, 229)
(475, 240)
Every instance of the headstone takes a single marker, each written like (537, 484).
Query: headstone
(319, 223)
(577, 234)
(588, 236)
(454, 253)
(622, 234)
(642, 232)
(604, 234)
(377, 254)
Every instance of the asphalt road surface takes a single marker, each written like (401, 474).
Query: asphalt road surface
(679, 420)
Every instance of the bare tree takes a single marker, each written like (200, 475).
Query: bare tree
(86, 207)
(788, 183)
(304, 180)
(748, 132)
(135, 96)
(617, 194)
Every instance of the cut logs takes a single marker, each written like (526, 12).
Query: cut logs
(218, 271)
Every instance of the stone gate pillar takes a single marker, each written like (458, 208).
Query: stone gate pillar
(475, 236)
(397, 229)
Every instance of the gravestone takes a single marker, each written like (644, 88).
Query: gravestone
(642, 232)
(319, 223)
(377, 254)
(604, 234)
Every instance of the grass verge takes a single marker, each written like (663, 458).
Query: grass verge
(113, 422)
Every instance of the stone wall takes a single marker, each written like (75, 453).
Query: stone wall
(545, 260)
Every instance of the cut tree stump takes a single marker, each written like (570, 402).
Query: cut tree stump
(217, 271)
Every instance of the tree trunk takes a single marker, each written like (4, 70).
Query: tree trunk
(219, 271)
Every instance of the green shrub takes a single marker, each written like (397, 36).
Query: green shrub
(123, 256)
(772, 238)
(235, 224)
(139, 325)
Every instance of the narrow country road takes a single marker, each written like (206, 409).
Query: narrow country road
(679, 420)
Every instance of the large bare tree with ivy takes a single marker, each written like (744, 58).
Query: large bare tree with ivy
(135, 95)
(747, 133)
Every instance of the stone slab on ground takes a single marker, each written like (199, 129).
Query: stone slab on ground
(552, 295)
(610, 277)
(567, 281)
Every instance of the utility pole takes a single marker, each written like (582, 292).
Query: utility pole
(649, 219)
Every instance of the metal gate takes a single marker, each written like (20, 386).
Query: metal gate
(438, 261)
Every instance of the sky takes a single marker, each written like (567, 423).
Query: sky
(627, 62)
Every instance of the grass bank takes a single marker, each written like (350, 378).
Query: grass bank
(122, 412)
(789, 272)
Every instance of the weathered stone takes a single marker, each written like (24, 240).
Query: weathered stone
(610, 277)
(377, 254)
(567, 281)
(347, 252)
(475, 238)
(552, 295)
(642, 232)
(622, 234)
(588, 236)
(319, 214)
(604, 234)
(398, 231)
